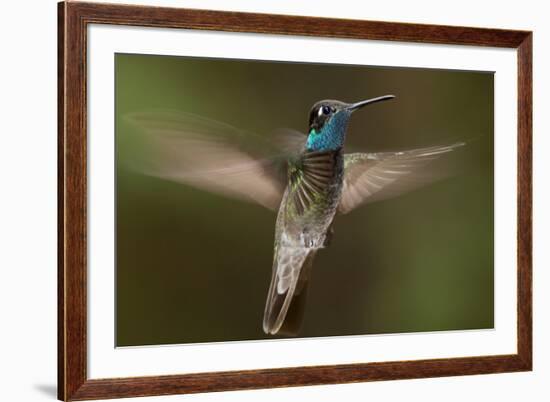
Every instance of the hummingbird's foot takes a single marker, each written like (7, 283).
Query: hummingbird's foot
(312, 240)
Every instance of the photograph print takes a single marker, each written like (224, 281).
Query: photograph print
(272, 200)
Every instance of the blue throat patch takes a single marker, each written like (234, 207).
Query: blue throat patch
(331, 136)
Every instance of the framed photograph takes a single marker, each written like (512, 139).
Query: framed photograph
(253, 201)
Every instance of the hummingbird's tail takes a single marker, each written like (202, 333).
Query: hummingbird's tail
(286, 298)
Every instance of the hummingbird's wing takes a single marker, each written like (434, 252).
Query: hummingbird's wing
(209, 155)
(370, 177)
(288, 290)
(290, 141)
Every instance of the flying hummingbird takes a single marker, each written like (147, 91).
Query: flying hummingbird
(308, 179)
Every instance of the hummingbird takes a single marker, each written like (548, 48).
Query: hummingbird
(307, 179)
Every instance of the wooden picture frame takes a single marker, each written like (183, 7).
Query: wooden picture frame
(73, 381)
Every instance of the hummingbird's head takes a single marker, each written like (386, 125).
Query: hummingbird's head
(328, 122)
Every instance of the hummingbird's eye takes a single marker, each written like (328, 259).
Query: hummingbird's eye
(325, 110)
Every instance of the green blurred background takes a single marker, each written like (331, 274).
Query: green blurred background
(195, 267)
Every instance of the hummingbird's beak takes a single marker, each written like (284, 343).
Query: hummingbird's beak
(358, 105)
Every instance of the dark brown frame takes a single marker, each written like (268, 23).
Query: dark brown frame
(73, 383)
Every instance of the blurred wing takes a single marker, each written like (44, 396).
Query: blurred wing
(370, 177)
(290, 141)
(208, 155)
